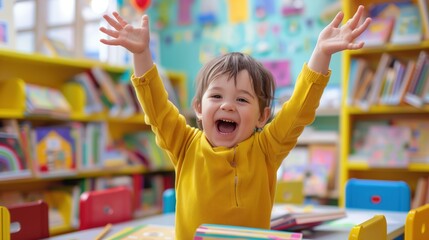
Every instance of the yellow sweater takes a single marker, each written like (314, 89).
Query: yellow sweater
(222, 185)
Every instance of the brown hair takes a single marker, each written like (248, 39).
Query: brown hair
(231, 64)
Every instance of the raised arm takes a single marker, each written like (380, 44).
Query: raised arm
(134, 39)
(335, 38)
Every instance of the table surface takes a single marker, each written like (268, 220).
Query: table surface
(337, 229)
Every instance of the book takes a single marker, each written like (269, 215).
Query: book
(53, 149)
(359, 149)
(128, 108)
(358, 67)
(387, 87)
(392, 94)
(321, 169)
(378, 32)
(12, 158)
(408, 26)
(294, 166)
(388, 146)
(148, 231)
(379, 77)
(298, 218)
(414, 93)
(417, 150)
(219, 231)
(41, 100)
(424, 15)
(144, 143)
(93, 102)
(108, 91)
(408, 77)
(364, 88)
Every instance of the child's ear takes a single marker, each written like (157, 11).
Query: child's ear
(264, 117)
(197, 110)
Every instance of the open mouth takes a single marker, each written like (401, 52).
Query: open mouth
(226, 126)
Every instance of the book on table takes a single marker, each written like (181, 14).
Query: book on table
(204, 231)
(218, 231)
(147, 231)
(298, 218)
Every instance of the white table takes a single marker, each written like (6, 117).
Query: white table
(338, 229)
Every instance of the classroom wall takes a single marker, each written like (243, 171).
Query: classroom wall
(189, 32)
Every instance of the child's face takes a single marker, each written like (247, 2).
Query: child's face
(230, 112)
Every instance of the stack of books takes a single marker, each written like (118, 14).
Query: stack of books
(298, 218)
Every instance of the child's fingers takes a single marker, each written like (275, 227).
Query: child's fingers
(337, 20)
(113, 42)
(354, 21)
(359, 30)
(145, 21)
(109, 32)
(353, 46)
(120, 20)
(113, 22)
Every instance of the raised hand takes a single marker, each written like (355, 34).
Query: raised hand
(135, 39)
(335, 38)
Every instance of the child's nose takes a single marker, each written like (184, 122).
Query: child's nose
(227, 106)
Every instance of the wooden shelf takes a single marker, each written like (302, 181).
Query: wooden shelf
(363, 166)
(91, 173)
(387, 110)
(19, 69)
(389, 48)
(350, 116)
(10, 57)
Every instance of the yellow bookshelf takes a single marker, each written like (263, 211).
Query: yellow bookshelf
(359, 168)
(19, 69)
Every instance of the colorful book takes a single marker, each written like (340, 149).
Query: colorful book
(93, 102)
(392, 90)
(42, 100)
(144, 144)
(294, 166)
(378, 32)
(388, 146)
(149, 232)
(417, 148)
(108, 90)
(321, 170)
(386, 61)
(218, 231)
(53, 149)
(358, 68)
(415, 92)
(424, 14)
(363, 88)
(13, 163)
(298, 218)
(408, 26)
(359, 149)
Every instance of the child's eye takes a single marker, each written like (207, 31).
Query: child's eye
(242, 100)
(216, 96)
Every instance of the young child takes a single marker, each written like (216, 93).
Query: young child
(226, 172)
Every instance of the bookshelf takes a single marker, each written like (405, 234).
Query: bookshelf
(21, 69)
(354, 114)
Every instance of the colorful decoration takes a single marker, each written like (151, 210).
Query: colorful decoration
(140, 5)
